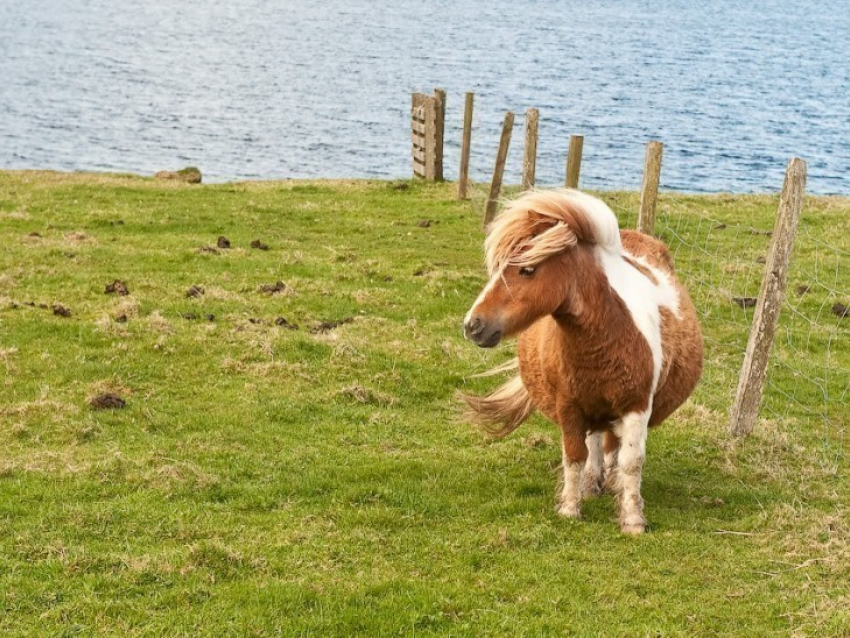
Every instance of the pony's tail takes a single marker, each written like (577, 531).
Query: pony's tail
(503, 410)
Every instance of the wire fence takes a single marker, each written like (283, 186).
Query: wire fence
(719, 249)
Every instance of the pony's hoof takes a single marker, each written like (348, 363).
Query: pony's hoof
(591, 485)
(633, 529)
(569, 510)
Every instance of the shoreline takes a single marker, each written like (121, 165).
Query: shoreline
(476, 188)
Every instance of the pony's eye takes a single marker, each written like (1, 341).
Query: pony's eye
(526, 271)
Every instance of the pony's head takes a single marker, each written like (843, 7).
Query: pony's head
(535, 250)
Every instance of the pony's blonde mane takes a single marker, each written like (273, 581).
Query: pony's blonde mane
(539, 224)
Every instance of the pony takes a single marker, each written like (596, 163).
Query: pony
(608, 340)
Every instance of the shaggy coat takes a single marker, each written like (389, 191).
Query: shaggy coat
(608, 339)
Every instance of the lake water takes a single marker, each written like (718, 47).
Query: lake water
(247, 89)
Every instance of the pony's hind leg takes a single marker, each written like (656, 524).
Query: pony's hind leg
(574, 453)
(611, 446)
(591, 479)
(632, 430)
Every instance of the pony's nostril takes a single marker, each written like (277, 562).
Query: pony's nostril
(474, 326)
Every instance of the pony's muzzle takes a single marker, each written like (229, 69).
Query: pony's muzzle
(480, 333)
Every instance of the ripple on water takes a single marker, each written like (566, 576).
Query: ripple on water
(323, 89)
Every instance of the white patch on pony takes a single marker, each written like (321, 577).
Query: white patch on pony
(667, 294)
(487, 289)
(632, 430)
(642, 298)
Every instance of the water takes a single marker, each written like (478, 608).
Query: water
(247, 89)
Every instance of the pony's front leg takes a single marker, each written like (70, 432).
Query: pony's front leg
(632, 431)
(574, 452)
(591, 480)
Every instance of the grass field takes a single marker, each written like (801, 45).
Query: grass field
(290, 460)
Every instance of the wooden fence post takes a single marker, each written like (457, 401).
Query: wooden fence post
(766, 316)
(529, 162)
(574, 160)
(463, 178)
(499, 170)
(439, 132)
(417, 125)
(430, 107)
(649, 188)
(427, 128)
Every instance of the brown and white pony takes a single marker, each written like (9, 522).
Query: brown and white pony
(609, 342)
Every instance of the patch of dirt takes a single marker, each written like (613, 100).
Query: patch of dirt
(34, 234)
(195, 291)
(802, 289)
(720, 227)
(259, 245)
(744, 302)
(400, 186)
(840, 310)
(274, 288)
(283, 323)
(424, 223)
(60, 311)
(117, 287)
(327, 326)
(121, 318)
(223, 242)
(107, 401)
(208, 249)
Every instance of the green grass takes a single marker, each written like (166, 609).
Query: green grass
(269, 481)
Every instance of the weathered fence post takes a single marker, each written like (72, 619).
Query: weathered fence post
(463, 178)
(499, 170)
(529, 161)
(649, 188)
(417, 126)
(574, 160)
(439, 133)
(766, 316)
(427, 127)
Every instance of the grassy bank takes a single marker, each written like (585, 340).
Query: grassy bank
(289, 458)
